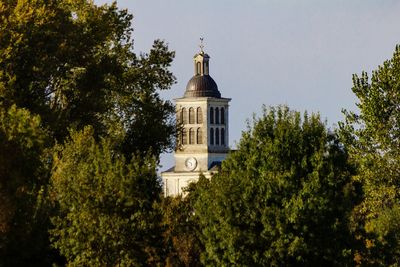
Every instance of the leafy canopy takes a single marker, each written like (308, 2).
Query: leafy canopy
(23, 173)
(65, 65)
(372, 136)
(72, 63)
(181, 227)
(106, 215)
(281, 198)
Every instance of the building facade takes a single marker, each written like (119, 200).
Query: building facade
(203, 141)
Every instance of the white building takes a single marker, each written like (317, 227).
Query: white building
(204, 137)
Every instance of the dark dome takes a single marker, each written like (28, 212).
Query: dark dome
(202, 86)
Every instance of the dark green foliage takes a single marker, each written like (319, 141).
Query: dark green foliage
(281, 199)
(181, 227)
(373, 139)
(23, 175)
(106, 215)
(72, 62)
(65, 65)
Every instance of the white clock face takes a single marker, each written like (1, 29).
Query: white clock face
(191, 163)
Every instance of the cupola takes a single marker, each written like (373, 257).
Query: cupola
(201, 84)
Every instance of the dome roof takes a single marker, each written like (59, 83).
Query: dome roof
(202, 86)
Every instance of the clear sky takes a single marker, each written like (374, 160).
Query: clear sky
(296, 52)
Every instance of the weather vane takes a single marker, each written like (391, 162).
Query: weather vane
(201, 44)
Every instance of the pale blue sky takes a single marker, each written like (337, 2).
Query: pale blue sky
(299, 53)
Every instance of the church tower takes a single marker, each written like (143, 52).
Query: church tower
(203, 142)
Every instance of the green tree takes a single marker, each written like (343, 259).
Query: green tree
(69, 64)
(281, 199)
(106, 214)
(372, 137)
(23, 173)
(72, 63)
(182, 242)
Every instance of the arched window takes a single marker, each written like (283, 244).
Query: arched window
(199, 136)
(216, 116)
(184, 137)
(222, 116)
(199, 115)
(184, 116)
(211, 136)
(191, 115)
(211, 115)
(198, 68)
(191, 136)
(222, 136)
(206, 71)
(217, 136)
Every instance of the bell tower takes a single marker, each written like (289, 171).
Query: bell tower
(203, 142)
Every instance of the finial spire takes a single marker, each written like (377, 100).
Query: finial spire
(201, 44)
